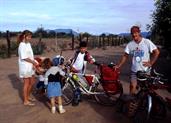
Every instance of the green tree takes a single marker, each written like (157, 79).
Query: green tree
(161, 26)
(40, 31)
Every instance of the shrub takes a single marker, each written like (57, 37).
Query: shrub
(3, 51)
(38, 49)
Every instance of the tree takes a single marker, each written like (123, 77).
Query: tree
(87, 35)
(161, 26)
(40, 31)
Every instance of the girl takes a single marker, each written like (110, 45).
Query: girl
(53, 78)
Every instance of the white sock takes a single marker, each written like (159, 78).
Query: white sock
(60, 107)
(53, 108)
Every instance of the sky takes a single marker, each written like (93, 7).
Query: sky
(92, 16)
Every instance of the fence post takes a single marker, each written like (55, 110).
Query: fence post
(87, 37)
(108, 40)
(40, 43)
(112, 41)
(80, 37)
(72, 41)
(8, 44)
(99, 41)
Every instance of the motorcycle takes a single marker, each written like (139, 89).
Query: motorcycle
(147, 104)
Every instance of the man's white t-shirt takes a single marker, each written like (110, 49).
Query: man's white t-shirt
(79, 62)
(140, 53)
(25, 68)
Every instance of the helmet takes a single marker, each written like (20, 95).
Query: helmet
(58, 60)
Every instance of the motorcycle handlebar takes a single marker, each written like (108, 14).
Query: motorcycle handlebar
(157, 78)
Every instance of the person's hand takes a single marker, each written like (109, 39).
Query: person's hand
(116, 67)
(147, 64)
(91, 62)
(45, 88)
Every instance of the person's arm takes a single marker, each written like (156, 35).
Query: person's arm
(153, 58)
(122, 60)
(90, 58)
(31, 61)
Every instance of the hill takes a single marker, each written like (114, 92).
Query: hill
(66, 31)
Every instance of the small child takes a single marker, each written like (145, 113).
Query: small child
(43, 65)
(53, 78)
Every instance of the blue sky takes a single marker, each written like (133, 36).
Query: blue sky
(93, 16)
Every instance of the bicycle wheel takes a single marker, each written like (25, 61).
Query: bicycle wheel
(67, 94)
(107, 99)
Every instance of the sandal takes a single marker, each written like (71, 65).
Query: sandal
(32, 99)
(29, 104)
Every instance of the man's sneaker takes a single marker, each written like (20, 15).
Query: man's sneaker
(62, 111)
(53, 110)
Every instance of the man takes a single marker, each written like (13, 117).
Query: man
(143, 52)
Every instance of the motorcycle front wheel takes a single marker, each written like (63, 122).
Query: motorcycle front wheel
(141, 115)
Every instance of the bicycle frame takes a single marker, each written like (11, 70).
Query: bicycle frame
(94, 87)
(83, 89)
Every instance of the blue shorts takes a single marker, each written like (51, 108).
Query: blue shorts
(54, 89)
(133, 76)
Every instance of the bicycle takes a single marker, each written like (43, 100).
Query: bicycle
(105, 90)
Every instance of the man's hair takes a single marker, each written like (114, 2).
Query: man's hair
(83, 44)
(135, 29)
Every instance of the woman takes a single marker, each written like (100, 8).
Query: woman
(27, 65)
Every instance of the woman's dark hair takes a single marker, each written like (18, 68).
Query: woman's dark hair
(83, 44)
(23, 34)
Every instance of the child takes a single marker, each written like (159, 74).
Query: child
(80, 59)
(43, 66)
(78, 65)
(53, 78)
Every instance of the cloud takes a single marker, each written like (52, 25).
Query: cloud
(31, 15)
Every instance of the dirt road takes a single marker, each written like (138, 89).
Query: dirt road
(88, 111)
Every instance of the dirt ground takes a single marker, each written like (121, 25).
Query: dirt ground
(13, 111)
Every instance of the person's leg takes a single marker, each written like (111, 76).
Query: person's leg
(25, 90)
(53, 108)
(133, 88)
(60, 107)
(31, 83)
(133, 83)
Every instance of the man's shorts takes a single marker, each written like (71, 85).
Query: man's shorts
(133, 77)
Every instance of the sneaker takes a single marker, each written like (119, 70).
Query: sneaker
(53, 110)
(75, 102)
(62, 111)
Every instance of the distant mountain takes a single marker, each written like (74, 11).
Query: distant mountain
(144, 34)
(67, 31)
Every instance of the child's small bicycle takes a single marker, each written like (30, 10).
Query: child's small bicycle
(105, 86)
